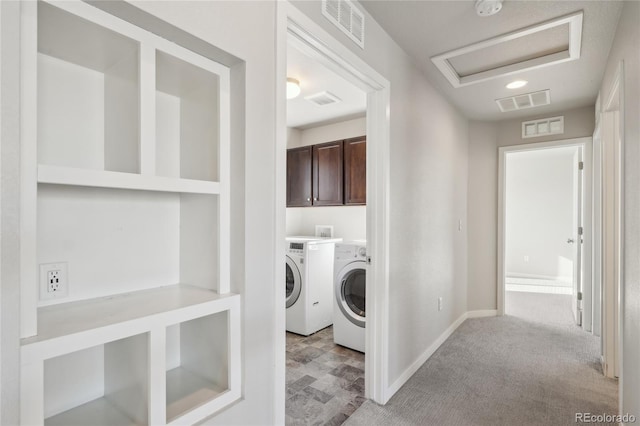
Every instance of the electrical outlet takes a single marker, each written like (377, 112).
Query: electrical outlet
(53, 280)
(526, 258)
(439, 303)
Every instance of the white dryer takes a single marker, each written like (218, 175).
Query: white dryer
(349, 303)
(309, 283)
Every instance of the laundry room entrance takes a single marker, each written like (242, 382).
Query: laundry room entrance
(326, 249)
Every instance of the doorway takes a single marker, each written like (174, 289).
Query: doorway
(544, 226)
(326, 200)
(543, 234)
(319, 45)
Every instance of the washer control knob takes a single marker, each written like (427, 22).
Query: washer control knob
(362, 251)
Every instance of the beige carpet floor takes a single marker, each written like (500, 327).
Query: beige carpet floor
(533, 367)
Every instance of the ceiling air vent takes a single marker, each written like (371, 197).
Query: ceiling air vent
(348, 18)
(527, 100)
(323, 98)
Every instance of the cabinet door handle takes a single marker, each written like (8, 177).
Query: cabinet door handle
(315, 198)
(308, 199)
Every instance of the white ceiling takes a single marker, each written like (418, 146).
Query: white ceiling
(315, 78)
(429, 28)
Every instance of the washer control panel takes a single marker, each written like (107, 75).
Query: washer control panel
(297, 248)
(350, 252)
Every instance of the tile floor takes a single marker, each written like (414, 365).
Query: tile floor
(325, 382)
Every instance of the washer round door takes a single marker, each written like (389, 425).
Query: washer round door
(293, 282)
(350, 292)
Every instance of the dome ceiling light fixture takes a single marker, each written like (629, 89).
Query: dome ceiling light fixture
(488, 7)
(293, 88)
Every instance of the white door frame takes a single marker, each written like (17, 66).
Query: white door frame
(297, 28)
(586, 143)
(612, 133)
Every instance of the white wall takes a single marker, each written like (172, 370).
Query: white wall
(9, 214)
(484, 140)
(428, 168)
(482, 215)
(349, 222)
(625, 48)
(329, 132)
(539, 214)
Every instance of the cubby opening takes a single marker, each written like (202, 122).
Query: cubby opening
(117, 241)
(197, 362)
(101, 385)
(187, 120)
(88, 94)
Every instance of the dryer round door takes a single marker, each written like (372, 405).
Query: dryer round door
(293, 282)
(350, 292)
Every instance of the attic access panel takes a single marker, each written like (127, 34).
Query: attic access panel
(548, 43)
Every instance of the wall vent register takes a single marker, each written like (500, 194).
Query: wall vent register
(348, 18)
(543, 127)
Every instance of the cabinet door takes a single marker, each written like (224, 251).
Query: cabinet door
(355, 171)
(299, 177)
(327, 174)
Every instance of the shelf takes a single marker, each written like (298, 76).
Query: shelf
(72, 326)
(106, 179)
(197, 363)
(186, 390)
(187, 119)
(125, 179)
(88, 94)
(100, 411)
(101, 385)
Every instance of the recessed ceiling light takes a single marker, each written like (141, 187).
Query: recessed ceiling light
(516, 84)
(293, 88)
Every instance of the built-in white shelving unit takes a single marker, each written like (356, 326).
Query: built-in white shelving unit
(125, 179)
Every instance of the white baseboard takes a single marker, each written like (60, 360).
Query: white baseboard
(410, 371)
(538, 277)
(482, 314)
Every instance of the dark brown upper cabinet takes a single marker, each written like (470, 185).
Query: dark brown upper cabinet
(328, 174)
(355, 171)
(299, 177)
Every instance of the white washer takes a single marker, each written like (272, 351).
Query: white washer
(309, 283)
(349, 289)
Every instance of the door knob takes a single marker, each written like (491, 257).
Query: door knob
(570, 241)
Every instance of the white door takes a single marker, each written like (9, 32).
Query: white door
(576, 238)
